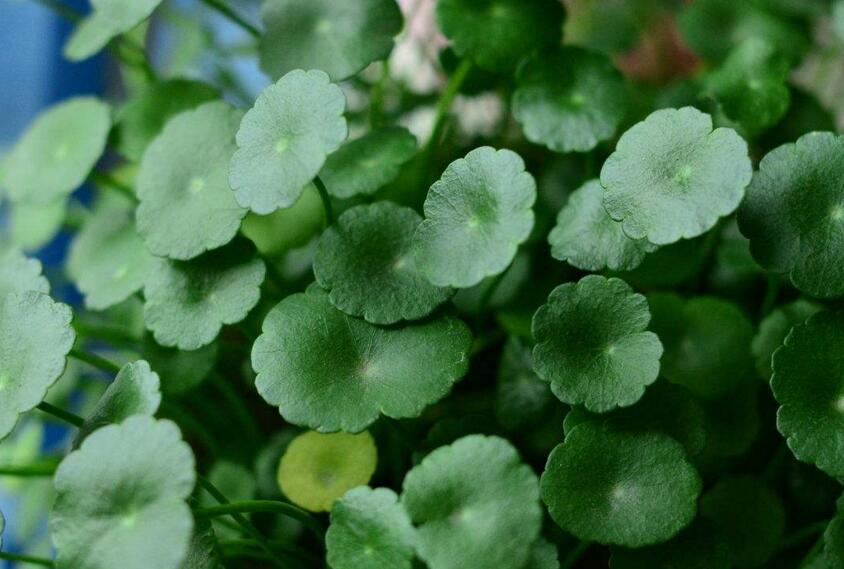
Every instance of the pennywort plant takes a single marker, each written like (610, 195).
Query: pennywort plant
(522, 284)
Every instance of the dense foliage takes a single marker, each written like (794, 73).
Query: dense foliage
(469, 284)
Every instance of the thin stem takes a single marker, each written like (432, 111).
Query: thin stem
(267, 506)
(326, 201)
(771, 293)
(282, 548)
(236, 403)
(94, 360)
(446, 99)
(65, 416)
(813, 552)
(226, 11)
(489, 292)
(110, 334)
(376, 105)
(803, 534)
(106, 180)
(188, 422)
(775, 464)
(27, 559)
(35, 470)
(574, 555)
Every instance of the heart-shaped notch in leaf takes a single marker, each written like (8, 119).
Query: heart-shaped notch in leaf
(188, 302)
(136, 390)
(35, 339)
(497, 34)
(369, 530)
(808, 383)
(672, 176)
(569, 100)
(108, 260)
(588, 238)
(116, 508)
(186, 204)
(366, 164)
(455, 497)
(284, 139)
(108, 19)
(366, 263)
(476, 216)
(640, 487)
(58, 151)
(592, 344)
(19, 273)
(316, 469)
(340, 38)
(344, 373)
(793, 213)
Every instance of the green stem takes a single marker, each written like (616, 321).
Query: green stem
(112, 335)
(803, 534)
(188, 422)
(446, 99)
(226, 11)
(27, 559)
(94, 360)
(282, 548)
(574, 555)
(29, 470)
(106, 180)
(771, 293)
(376, 105)
(240, 410)
(266, 506)
(326, 201)
(65, 416)
(489, 292)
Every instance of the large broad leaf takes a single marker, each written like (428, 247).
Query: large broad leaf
(109, 19)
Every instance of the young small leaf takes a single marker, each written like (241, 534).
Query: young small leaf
(35, 338)
(672, 176)
(340, 38)
(592, 346)
(343, 373)
(120, 498)
(569, 100)
(284, 139)
(639, 487)
(521, 397)
(364, 165)
(56, 153)
(455, 497)
(366, 264)
(369, 530)
(109, 19)
(186, 204)
(317, 469)
(476, 216)
(187, 302)
(588, 238)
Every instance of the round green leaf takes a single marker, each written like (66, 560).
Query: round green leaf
(108, 260)
(19, 273)
(751, 517)
(35, 338)
(833, 538)
(286, 229)
(751, 85)
(35, 225)
(700, 546)
(475, 505)
(341, 374)
(364, 165)
(629, 489)
(793, 213)
(497, 34)
(809, 386)
(672, 176)
(140, 120)
(284, 139)
(707, 343)
(569, 100)
(187, 302)
(591, 344)
(665, 408)
(56, 153)
(120, 498)
(588, 238)
(109, 19)
(365, 262)
(369, 530)
(544, 555)
(340, 38)
(317, 469)
(135, 391)
(521, 397)
(773, 330)
(476, 216)
(186, 204)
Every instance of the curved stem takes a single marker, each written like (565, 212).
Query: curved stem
(27, 559)
(267, 506)
(94, 360)
(446, 99)
(239, 408)
(771, 293)
(326, 201)
(65, 416)
(226, 11)
(574, 555)
(110, 334)
(106, 180)
(803, 534)
(29, 470)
